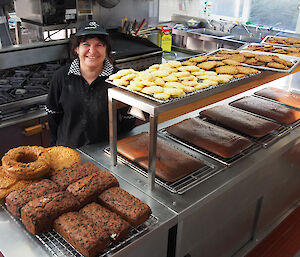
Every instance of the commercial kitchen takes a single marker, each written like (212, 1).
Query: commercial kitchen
(225, 208)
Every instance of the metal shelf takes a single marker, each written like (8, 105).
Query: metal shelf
(154, 109)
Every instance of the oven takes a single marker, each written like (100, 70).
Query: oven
(23, 92)
(25, 73)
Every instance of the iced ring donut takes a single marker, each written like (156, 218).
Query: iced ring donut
(26, 162)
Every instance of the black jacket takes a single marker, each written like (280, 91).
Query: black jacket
(78, 112)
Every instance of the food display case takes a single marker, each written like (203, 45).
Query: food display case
(218, 215)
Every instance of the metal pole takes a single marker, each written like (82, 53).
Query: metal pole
(112, 111)
(18, 32)
(152, 150)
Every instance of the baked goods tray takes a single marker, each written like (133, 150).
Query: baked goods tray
(245, 46)
(181, 185)
(58, 246)
(275, 44)
(197, 91)
(295, 61)
(225, 161)
(264, 141)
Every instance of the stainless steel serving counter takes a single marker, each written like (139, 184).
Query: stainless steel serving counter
(15, 241)
(234, 207)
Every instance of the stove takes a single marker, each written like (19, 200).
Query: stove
(25, 88)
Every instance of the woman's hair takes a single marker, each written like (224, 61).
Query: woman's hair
(75, 42)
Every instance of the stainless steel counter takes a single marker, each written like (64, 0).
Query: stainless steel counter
(232, 208)
(15, 241)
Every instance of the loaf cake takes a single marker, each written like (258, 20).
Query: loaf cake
(38, 215)
(280, 95)
(70, 175)
(126, 205)
(81, 232)
(88, 188)
(112, 223)
(17, 199)
(238, 120)
(269, 109)
(210, 137)
(171, 163)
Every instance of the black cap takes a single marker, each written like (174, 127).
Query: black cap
(90, 28)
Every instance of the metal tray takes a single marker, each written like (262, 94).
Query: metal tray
(197, 91)
(264, 141)
(277, 44)
(225, 161)
(244, 48)
(295, 61)
(58, 246)
(275, 101)
(179, 186)
(291, 126)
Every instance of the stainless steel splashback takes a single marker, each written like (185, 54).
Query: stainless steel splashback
(46, 12)
(40, 52)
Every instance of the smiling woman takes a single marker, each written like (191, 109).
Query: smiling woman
(77, 101)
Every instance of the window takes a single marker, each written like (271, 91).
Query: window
(272, 13)
(275, 13)
(280, 14)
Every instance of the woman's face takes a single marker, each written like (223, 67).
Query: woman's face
(91, 53)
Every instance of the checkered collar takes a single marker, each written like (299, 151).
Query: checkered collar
(75, 68)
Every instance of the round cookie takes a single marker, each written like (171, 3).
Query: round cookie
(152, 90)
(162, 95)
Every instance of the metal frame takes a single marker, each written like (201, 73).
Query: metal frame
(154, 109)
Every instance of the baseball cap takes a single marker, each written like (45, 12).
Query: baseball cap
(90, 27)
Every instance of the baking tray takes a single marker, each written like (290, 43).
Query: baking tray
(197, 91)
(244, 48)
(277, 44)
(295, 61)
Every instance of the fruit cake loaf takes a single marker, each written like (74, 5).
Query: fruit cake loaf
(239, 120)
(112, 223)
(17, 199)
(126, 205)
(266, 108)
(87, 189)
(68, 176)
(38, 215)
(81, 232)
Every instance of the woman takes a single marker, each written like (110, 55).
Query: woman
(77, 102)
